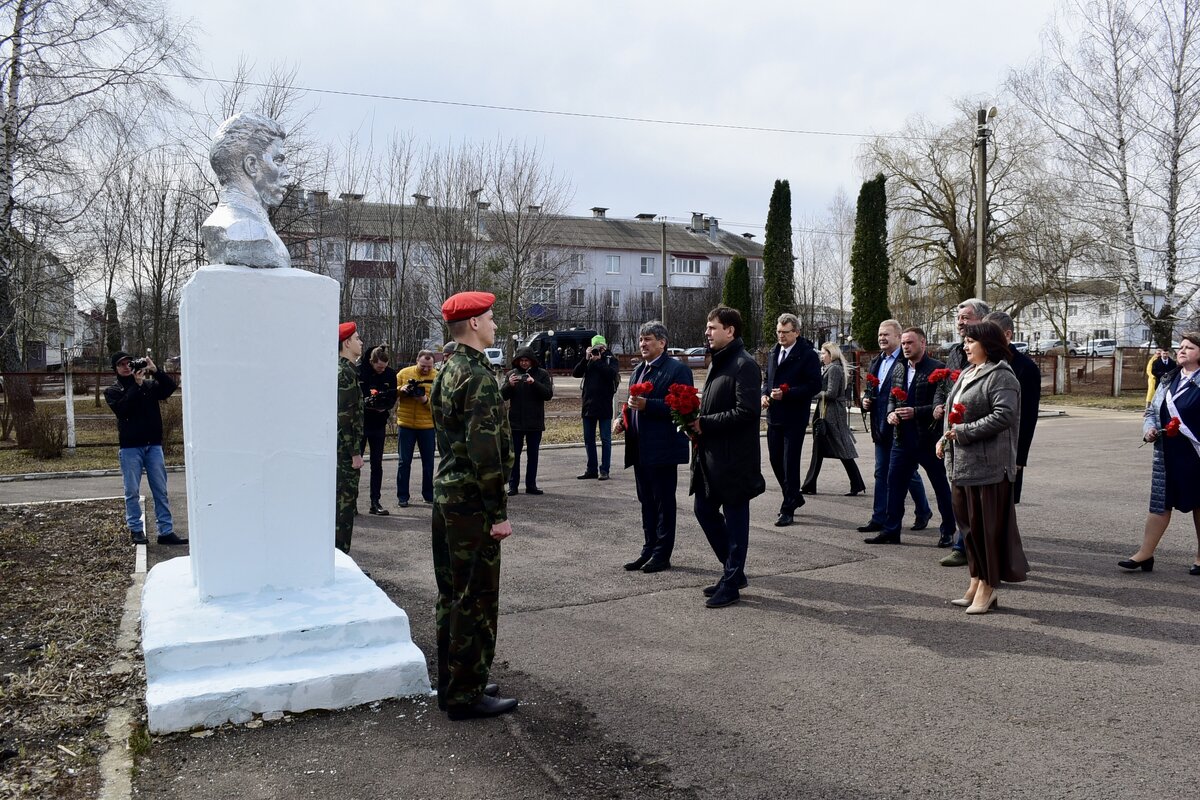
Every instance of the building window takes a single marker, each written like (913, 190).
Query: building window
(577, 262)
(648, 299)
(647, 265)
(687, 266)
(1100, 333)
(542, 293)
(614, 265)
(1147, 287)
(1105, 309)
(577, 298)
(1035, 313)
(1072, 309)
(612, 297)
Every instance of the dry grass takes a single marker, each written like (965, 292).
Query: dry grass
(1128, 401)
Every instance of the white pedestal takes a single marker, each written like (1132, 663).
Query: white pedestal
(265, 615)
(260, 422)
(226, 659)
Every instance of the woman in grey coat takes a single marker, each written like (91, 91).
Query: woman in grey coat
(980, 449)
(838, 440)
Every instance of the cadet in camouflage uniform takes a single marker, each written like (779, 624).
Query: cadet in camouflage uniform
(470, 510)
(349, 435)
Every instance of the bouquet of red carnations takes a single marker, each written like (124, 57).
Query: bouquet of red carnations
(958, 414)
(684, 402)
(1172, 429)
(871, 387)
(640, 389)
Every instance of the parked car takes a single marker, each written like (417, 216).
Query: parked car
(1098, 347)
(691, 357)
(1020, 347)
(1153, 346)
(1043, 346)
(496, 356)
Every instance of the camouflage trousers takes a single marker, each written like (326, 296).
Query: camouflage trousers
(345, 504)
(466, 564)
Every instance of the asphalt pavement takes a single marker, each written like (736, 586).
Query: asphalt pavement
(844, 672)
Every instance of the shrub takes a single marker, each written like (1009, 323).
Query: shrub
(49, 432)
(172, 426)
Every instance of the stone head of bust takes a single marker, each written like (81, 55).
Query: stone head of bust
(247, 153)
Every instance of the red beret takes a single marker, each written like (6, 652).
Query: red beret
(345, 331)
(465, 305)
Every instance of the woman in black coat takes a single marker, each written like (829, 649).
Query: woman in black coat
(526, 387)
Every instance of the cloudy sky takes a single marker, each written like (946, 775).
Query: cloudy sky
(851, 68)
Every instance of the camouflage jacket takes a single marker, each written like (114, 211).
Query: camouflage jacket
(350, 411)
(473, 436)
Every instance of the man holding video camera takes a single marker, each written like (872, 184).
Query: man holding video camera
(526, 387)
(601, 377)
(134, 398)
(415, 425)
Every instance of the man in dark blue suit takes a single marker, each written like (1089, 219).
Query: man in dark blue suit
(881, 432)
(654, 447)
(792, 363)
(910, 400)
(1030, 378)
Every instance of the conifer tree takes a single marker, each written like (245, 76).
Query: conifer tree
(779, 288)
(112, 327)
(869, 263)
(736, 294)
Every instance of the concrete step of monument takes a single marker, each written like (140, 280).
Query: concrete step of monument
(214, 695)
(180, 632)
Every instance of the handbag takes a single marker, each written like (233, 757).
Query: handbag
(821, 431)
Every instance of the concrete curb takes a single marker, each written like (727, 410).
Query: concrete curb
(116, 765)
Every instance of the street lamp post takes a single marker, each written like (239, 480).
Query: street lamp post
(982, 131)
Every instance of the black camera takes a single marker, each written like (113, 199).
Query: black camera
(139, 363)
(595, 351)
(414, 389)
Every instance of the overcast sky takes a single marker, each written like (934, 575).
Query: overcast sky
(855, 67)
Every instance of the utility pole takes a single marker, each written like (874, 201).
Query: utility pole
(663, 290)
(981, 136)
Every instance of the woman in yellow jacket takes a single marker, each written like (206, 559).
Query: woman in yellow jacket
(414, 422)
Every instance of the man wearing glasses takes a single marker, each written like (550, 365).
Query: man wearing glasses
(793, 378)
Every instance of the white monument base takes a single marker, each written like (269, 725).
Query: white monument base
(228, 658)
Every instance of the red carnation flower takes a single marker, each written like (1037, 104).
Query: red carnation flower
(872, 379)
(954, 374)
(939, 375)
(899, 394)
(1173, 427)
(640, 389)
(958, 414)
(684, 403)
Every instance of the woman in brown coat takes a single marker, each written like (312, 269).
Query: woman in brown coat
(980, 449)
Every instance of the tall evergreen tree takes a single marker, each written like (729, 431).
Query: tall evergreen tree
(736, 294)
(112, 328)
(779, 285)
(869, 263)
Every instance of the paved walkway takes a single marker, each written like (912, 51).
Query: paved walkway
(844, 673)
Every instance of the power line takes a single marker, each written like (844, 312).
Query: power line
(545, 111)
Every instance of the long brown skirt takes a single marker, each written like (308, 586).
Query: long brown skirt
(993, 543)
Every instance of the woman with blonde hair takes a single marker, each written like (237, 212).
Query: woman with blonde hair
(832, 437)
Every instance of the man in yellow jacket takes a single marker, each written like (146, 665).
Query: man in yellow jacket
(414, 422)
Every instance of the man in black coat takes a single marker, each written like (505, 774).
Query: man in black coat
(134, 398)
(377, 380)
(601, 377)
(910, 400)
(726, 471)
(526, 387)
(793, 364)
(654, 447)
(1030, 378)
(874, 405)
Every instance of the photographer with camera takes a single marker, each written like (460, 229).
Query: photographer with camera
(415, 423)
(378, 383)
(526, 387)
(601, 378)
(134, 398)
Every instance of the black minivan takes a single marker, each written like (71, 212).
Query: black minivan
(560, 349)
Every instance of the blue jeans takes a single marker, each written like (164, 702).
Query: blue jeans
(135, 461)
(883, 458)
(423, 440)
(901, 471)
(728, 534)
(589, 442)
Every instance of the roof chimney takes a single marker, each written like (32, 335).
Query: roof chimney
(748, 235)
(350, 197)
(318, 198)
(483, 205)
(697, 221)
(422, 200)
(714, 230)
(534, 209)
(646, 217)
(598, 212)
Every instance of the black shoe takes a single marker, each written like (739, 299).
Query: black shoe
(603, 476)
(656, 565)
(945, 540)
(883, 538)
(534, 490)
(709, 591)
(379, 510)
(870, 527)
(802, 501)
(1134, 566)
(171, 539)
(138, 537)
(586, 476)
(484, 706)
(855, 492)
(784, 520)
(723, 597)
(806, 490)
(512, 491)
(402, 504)
(921, 523)
(492, 689)
(637, 563)
(1195, 570)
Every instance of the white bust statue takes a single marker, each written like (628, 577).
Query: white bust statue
(247, 157)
